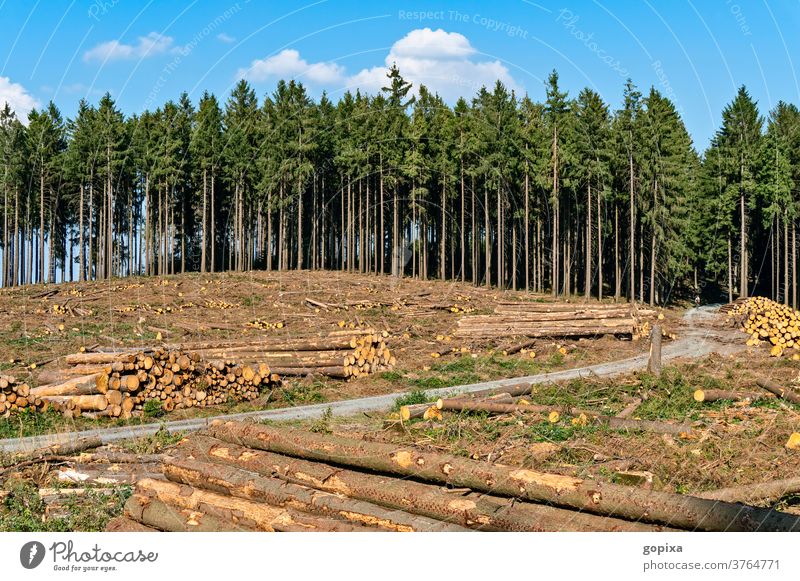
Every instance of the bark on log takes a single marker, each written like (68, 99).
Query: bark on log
(153, 513)
(781, 392)
(124, 524)
(99, 358)
(607, 499)
(246, 513)
(771, 491)
(711, 395)
(82, 385)
(476, 511)
(65, 449)
(630, 409)
(251, 486)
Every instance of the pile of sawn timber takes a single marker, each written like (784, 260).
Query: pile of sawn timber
(537, 319)
(16, 396)
(118, 384)
(253, 477)
(339, 354)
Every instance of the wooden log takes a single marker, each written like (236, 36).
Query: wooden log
(630, 409)
(64, 449)
(124, 524)
(781, 392)
(337, 372)
(81, 385)
(711, 395)
(108, 474)
(47, 377)
(153, 513)
(99, 358)
(771, 491)
(240, 512)
(249, 485)
(625, 502)
(114, 397)
(90, 402)
(476, 511)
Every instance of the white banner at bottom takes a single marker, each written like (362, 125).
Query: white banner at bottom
(387, 556)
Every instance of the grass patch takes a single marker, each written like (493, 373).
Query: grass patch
(23, 510)
(414, 397)
(303, 393)
(30, 423)
(154, 444)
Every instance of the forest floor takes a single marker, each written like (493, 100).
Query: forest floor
(40, 324)
(731, 443)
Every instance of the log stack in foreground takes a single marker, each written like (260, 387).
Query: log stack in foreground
(239, 476)
(532, 319)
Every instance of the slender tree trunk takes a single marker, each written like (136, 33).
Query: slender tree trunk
(599, 250)
(743, 274)
(587, 288)
(730, 270)
(632, 233)
(527, 228)
(785, 259)
(487, 239)
(617, 270)
(204, 227)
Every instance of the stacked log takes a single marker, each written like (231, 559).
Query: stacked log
(239, 476)
(767, 322)
(122, 382)
(531, 319)
(341, 354)
(15, 396)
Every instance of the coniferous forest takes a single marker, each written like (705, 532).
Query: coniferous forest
(571, 196)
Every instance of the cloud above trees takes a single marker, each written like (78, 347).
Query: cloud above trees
(445, 62)
(150, 45)
(17, 97)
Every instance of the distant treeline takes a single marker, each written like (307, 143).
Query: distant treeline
(566, 196)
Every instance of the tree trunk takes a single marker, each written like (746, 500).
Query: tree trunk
(587, 285)
(248, 485)
(476, 511)
(591, 496)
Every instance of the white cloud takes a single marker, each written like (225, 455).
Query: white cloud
(146, 46)
(445, 62)
(287, 64)
(226, 38)
(20, 101)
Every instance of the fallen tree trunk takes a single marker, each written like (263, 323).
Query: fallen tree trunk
(251, 486)
(82, 385)
(607, 499)
(781, 392)
(242, 513)
(711, 395)
(124, 524)
(630, 409)
(759, 492)
(153, 513)
(476, 511)
(64, 449)
(100, 358)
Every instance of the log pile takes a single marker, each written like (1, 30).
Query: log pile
(767, 322)
(118, 384)
(340, 354)
(535, 319)
(239, 476)
(15, 396)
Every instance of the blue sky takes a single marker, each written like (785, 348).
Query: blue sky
(144, 53)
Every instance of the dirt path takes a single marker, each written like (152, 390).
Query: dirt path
(698, 338)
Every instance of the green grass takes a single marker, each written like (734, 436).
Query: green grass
(30, 423)
(414, 397)
(303, 393)
(153, 444)
(23, 510)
